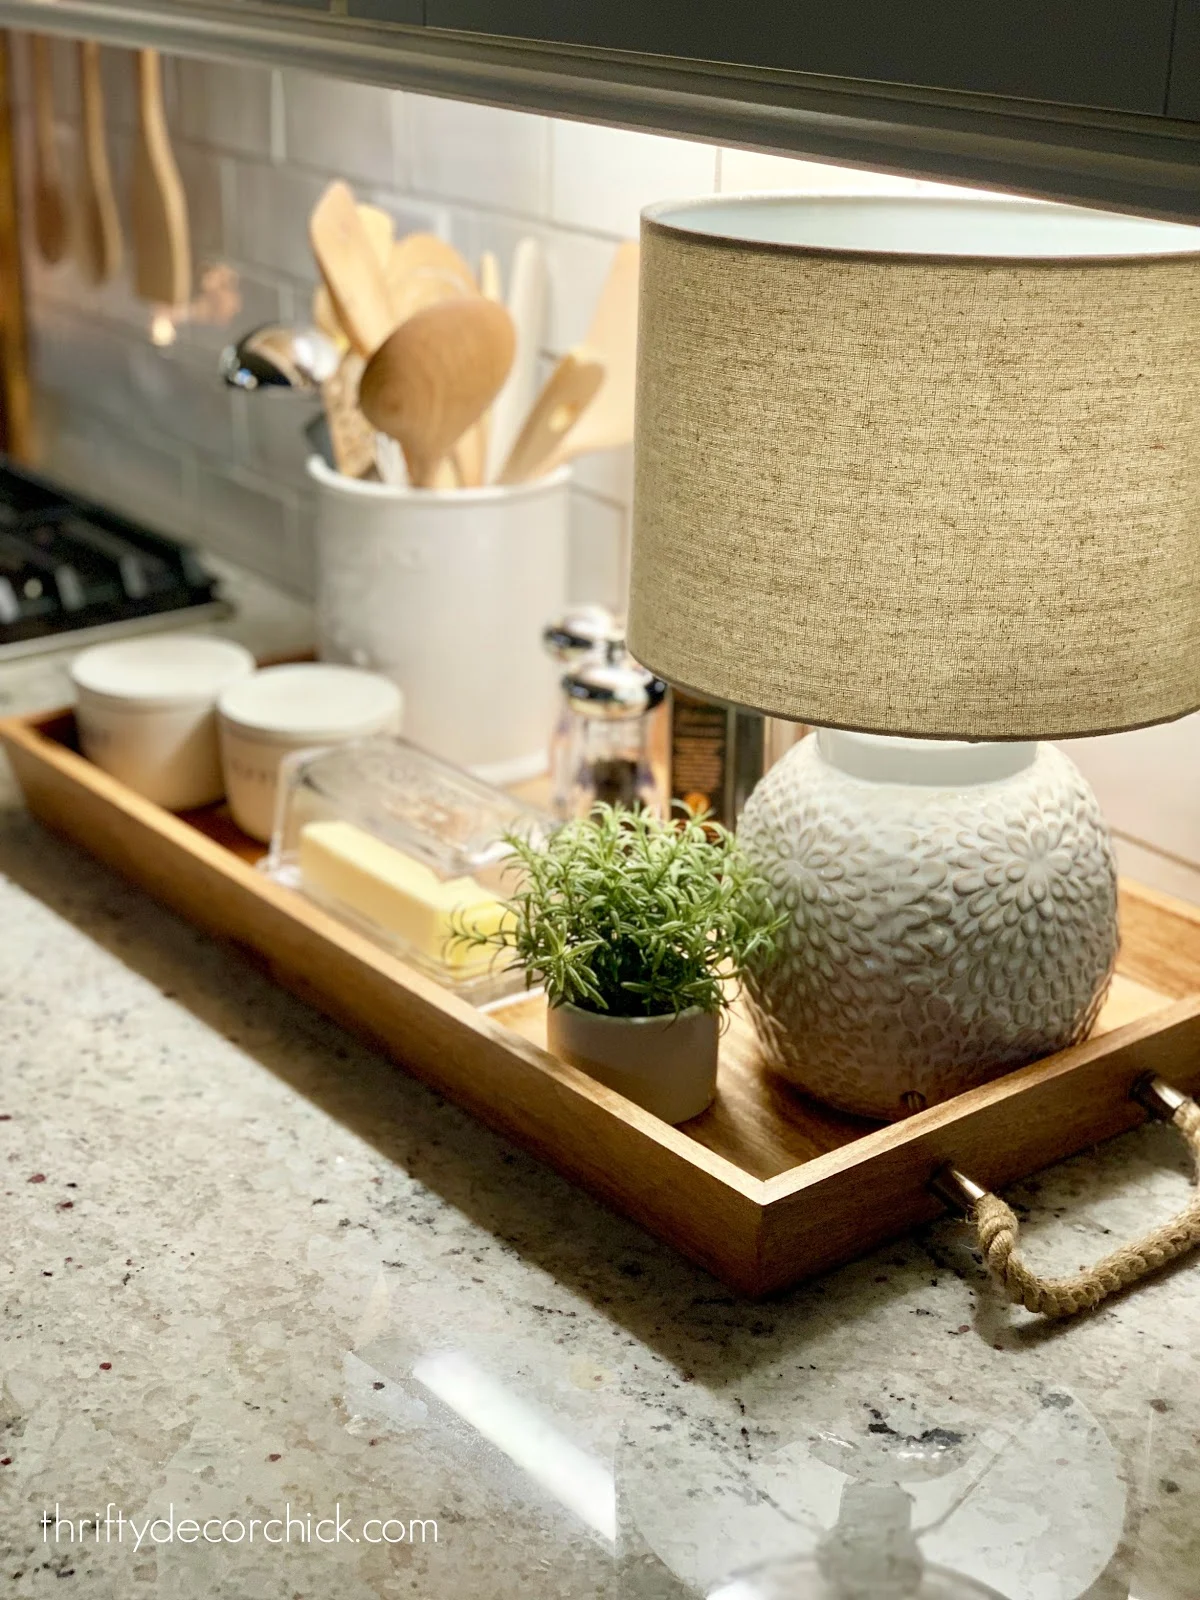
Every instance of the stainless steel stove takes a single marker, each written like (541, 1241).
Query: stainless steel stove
(71, 571)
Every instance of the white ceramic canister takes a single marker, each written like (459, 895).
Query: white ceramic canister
(145, 710)
(447, 592)
(288, 708)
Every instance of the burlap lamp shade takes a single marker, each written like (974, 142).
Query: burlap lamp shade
(925, 474)
(928, 467)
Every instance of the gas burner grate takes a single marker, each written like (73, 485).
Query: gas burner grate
(71, 568)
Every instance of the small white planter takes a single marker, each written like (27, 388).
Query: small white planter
(666, 1064)
(447, 593)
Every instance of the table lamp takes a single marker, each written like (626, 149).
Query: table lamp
(926, 475)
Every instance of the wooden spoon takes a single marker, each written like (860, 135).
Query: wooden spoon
(162, 250)
(435, 376)
(99, 246)
(612, 337)
(49, 205)
(351, 269)
(565, 396)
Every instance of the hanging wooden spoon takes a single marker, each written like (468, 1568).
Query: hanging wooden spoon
(435, 376)
(565, 397)
(49, 205)
(162, 247)
(351, 269)
(98, 244)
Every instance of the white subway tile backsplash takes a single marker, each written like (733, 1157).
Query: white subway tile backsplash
(1148, 783)
(226, 106)
(248, 520)
(342, 129)
(606, 475)
(499, 159)
(268, 209)
(748, 171)
(202, 177)
(149, 482)
(602, 177)
(577, 265)
(180, 392)
(274, 442)
(597, 564)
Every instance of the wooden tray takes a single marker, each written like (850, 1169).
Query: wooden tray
(764, 1189)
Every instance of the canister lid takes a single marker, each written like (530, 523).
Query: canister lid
(162, 670)
(312, 701)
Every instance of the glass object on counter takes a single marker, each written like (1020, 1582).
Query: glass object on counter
(568, 640)
(404, 847)
(610, 702)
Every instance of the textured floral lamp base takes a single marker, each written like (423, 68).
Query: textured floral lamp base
(953, 914)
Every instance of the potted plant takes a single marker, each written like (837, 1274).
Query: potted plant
(639, 929)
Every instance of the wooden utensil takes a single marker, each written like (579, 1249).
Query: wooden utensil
(352, 437)
(351, 269)
(380, 231)
(434, 377)
(161, 242)
(49, 204)
(527, 307)
(612, 338)
(566, 395)
(99, 246)
(490, 286)
(424, 255)
(470, 454)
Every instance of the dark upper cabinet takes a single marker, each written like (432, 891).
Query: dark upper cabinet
(1184, 97)
(1105, 53)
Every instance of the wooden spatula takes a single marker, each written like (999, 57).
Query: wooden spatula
(162, 248)
(49, 205)
(568, 392)
(351, 269)
(435, 376)
(99, 246)
(425, 256)
(379, 231)
(612, 338)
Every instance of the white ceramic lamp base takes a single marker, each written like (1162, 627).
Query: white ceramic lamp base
(952, 914)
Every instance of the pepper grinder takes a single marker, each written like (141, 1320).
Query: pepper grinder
(610, 701)
(577, 634)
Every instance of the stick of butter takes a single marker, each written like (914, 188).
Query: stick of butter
(403, 897)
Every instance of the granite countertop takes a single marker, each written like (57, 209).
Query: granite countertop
(251, 1271)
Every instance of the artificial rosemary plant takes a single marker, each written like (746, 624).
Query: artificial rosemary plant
(625, 913)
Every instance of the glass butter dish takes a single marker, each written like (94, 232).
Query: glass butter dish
(405, 848)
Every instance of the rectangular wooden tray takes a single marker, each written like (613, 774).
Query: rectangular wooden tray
(764, 1189)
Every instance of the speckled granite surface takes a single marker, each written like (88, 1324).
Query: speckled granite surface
(247, 1266)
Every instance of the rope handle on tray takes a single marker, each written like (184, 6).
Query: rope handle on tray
(999, 1231)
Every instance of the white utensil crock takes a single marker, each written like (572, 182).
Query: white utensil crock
(447, 593)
